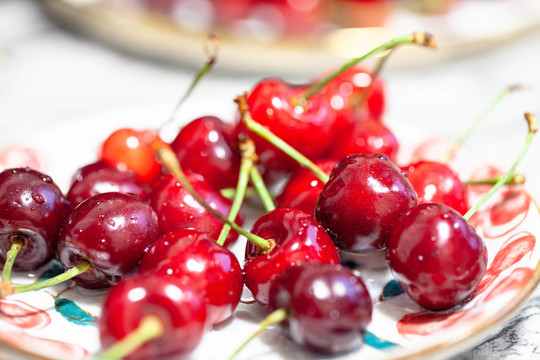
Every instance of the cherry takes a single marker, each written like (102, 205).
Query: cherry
(362, 200)
(193, 257)
(206, 146)
(298, 239)
(32, 211)
(111, 232)
(176, 208)
(177, 313)
(303, 188)
(366, 136)
(130, 149)
(329, 307)
(436, 182)
(436, 256)
(304, 124)
(100, 177)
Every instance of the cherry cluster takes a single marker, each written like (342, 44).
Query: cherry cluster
(150, 220)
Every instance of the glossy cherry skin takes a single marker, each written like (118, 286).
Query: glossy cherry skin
(32, 209)
(299, 239)
(436, 256)
(193, 257)
(362, 200)
(303, 188)
(100, 177)
(329, 307)
(130, 149)
(436, 182)
(366, 136)
(177, 209)
(180, 309)
(307, 128)
(206, 146)
(111, 231)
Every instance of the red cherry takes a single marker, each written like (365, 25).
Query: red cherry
(100, 177)
(436, 256)
(306, 127)
(179, 308)
(193, 257)
(177, 209)
(303, 188)
(329, 306)
(362, 200)
(32, 210)
(206, 147)
(436, 182)
(111, 231)
(129, 149)
(366, 136)
(298, 239)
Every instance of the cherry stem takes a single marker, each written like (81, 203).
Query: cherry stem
(276, 141)
(418, 38)
(82, 267)
(212, 55)
(359, 100)
(516, 179)
(461, 139)
(262, 190)
(275, 317)
(11, 255)
(150, 327)
(247, 149)
(229, 193)
(533, 128)
(169, 161)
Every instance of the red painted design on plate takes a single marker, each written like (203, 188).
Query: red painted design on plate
(517, 279)
(14, 156)
(22, 315)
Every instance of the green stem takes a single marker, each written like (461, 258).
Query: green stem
(277, 142)
(275, 317)
(230, 193)
(71, 273)
(243, 179)
(149, 328)
(198, 76)
(461, 139)
(11, 255)
(516, 179)
(533, 127)
(262, 190)
(414, 38)
(169, 161)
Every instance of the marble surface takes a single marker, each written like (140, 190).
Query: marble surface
(49, 75)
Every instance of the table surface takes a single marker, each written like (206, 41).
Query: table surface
(49, 75)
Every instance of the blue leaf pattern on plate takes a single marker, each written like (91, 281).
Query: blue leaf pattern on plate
(72, 312)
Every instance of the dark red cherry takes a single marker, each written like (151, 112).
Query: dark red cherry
(329, 306)
(179, 308)
(193, 257)
(298, 239)
(178, 209)
(111, 231)
(305, 126)
(130, 149)
(100, 177)
(436, 182)
(362, 200)
(206, 146)
(366, 136)
(303, 188)
(436, 256)
(32, 210)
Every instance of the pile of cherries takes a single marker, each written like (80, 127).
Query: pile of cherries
(148, 228)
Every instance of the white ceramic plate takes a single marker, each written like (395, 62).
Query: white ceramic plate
(61, 326)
